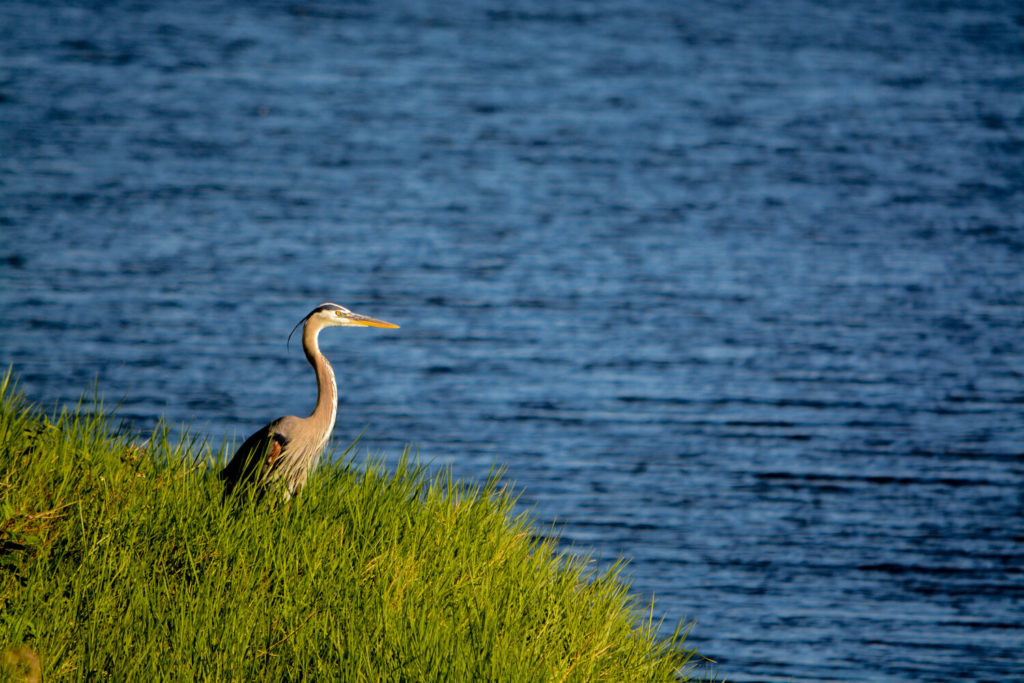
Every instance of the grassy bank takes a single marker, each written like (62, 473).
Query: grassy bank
(123, 562)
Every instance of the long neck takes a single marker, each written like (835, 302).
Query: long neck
(326, 390)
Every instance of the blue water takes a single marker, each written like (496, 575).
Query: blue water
(732, 290)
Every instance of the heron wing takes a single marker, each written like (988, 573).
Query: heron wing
(257, 455)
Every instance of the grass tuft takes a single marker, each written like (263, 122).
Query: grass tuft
(121, 560)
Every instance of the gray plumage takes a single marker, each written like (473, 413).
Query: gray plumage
(284, 453)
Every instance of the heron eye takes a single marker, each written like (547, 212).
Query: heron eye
(337, 313)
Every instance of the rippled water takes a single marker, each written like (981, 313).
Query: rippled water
(733, 290)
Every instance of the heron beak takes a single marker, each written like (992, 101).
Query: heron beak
(367, 321)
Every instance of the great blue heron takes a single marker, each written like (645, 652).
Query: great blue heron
(288, 449)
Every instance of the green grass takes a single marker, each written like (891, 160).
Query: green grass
(122, 561)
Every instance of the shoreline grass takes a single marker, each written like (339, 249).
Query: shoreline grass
(124, 562)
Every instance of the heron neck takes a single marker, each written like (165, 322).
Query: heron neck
(326, 409)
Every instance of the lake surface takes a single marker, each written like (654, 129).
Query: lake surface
(734, 291)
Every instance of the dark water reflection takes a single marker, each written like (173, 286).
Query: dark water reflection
(733, 291)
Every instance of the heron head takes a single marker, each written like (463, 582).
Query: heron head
(333, 315)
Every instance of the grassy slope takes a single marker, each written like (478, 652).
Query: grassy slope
(123, 562)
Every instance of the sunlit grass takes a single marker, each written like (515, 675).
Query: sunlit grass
(122, 561)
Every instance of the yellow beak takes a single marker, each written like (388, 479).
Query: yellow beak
(367, 321)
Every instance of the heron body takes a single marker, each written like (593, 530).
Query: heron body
(286, 451)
